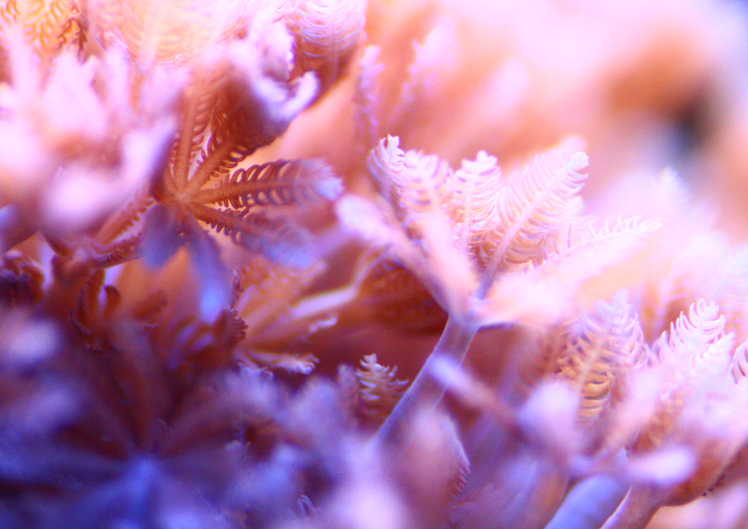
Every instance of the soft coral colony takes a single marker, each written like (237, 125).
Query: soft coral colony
(232, 233)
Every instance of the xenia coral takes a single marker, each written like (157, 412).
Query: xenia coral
(396, 264)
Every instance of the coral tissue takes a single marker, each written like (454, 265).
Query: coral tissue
(396, 264)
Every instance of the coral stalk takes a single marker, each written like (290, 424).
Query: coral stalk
(425, 390)
(636, 510)
(589, 503)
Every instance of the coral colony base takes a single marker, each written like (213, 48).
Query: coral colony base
(259, 269)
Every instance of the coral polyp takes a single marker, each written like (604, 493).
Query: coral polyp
(389, 264)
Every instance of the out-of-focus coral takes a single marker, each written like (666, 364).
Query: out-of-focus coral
(231, 233)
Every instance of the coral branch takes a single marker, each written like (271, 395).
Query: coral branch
(425, 391)
(589, 503)
(636, 510)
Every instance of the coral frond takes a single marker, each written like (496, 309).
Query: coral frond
(303, 363)
(235, 224)
(196, 109)
(476, 190)
(48, 24)
(326, 33)
(221, 154)
(154, 31)
(379, 387)
(696, 352)
(277, 239)
(413, 182)
(124, 219)
(118, 252)
(278, 183)
(541, 294)
(699, 339)
(594, 248)
(599, 348)
(534, 203)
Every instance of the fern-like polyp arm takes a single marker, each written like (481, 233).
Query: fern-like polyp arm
(379, 386)
(119, 252)
(695, 356)
(385, 163)
(412, 182)
(197, 104)
(598, 350)
(250, 231)
(278, 183)
(534, 203)
(267, 290)
(326, 34)
(610, 242)
(475, 193)
(226, 221)
(250, 113)
(48, 24)
(538, 295)
(124, 219)
(284, 242)
(222, 154)
(698, 341)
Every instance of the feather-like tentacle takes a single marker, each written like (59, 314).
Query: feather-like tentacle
(326, 33)
(379, 387)
(277, 239)
(695, 350)
(475, 193)
(48, 24)
(197, 106)
(541, 293)
(599, 348)
(413, 182)
(534, 204)
(278, 183)
(124, 219)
